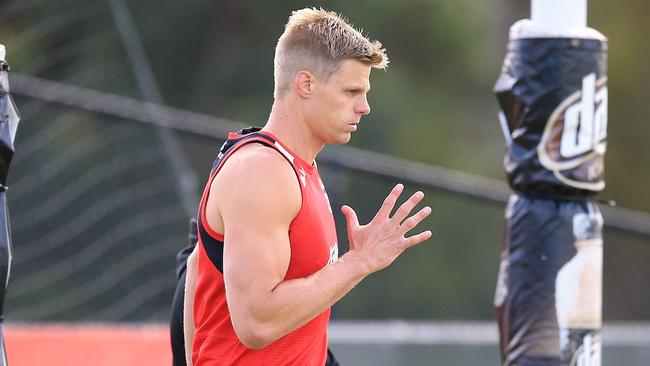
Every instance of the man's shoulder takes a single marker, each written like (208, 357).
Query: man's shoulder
(257, 167)
(258, 159)
(257, 176)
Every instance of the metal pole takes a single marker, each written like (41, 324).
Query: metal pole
(175, 156)
(561, 15)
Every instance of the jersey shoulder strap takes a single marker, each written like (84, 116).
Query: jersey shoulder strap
(243, 136)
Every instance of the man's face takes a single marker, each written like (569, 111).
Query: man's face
(336, 106)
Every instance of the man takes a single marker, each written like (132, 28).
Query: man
(266, 270)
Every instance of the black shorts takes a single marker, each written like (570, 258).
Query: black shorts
(540, 238)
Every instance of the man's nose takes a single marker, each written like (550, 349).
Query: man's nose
(363, 107)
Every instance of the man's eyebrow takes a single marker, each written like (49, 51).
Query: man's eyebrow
(359, 87)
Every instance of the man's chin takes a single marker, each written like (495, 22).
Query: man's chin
(339, 139)
(343, 139)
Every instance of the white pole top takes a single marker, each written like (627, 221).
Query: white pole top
(3, 51)
(555, 19)
(559, 15)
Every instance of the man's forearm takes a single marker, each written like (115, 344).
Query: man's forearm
(295, 302)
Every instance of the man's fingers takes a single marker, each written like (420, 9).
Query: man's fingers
(414, 220)
(407, 207)
(390, 201)
(417, 239)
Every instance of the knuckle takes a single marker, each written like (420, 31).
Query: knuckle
(409, 224)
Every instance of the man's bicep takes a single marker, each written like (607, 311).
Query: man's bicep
(256, 220)
(256, 252)
(255, 261)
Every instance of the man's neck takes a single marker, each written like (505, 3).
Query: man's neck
(287, 123)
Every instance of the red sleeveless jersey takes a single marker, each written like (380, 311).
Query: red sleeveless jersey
(313, 242)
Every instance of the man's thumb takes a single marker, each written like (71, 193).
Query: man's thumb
(350, 216)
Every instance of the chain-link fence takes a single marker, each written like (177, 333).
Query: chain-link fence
(97, 219)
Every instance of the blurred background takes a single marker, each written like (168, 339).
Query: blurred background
(100, 194)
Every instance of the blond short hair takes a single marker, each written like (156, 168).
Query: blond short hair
(318, 40)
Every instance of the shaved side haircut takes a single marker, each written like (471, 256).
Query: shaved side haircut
(317, 41)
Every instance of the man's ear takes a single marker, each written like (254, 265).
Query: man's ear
(304, 84)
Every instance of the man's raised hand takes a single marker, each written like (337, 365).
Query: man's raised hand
(378, 243)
